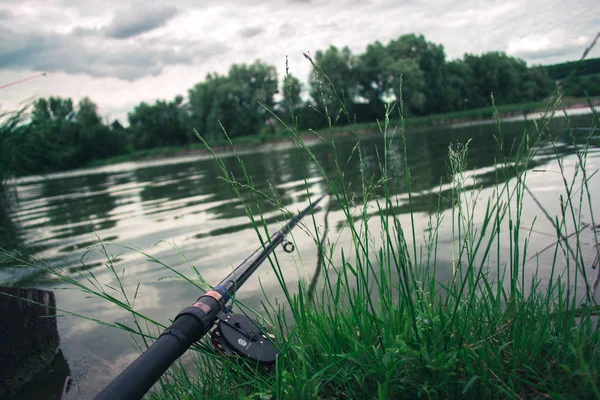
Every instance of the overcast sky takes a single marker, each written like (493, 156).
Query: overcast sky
(120, 53)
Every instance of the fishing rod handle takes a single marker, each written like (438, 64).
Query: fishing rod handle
(190, 325)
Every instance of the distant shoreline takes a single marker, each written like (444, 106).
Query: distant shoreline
(512, 112)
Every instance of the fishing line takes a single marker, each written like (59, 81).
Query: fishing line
(21, 80)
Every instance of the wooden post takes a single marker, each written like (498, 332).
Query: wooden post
(28, 335)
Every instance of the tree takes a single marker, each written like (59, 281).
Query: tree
(97, 140)
(586, 85)
(61, 109)
(87, 113)
(421, 65)
(496, 73)
(374, 80)
(41, 111)
(12, 158)
(537, 84)
(431, 60)
(237, 101)
(460, 86)
(413, 84)
(340, 68)
(161, 124)
(251, 89)
(60, 136)
(202, 101)
(54, 130)
(52, 109)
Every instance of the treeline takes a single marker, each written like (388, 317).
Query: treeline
(61, 136)
(430, 84)
(249, 99)
(562, 70)
(578, 79)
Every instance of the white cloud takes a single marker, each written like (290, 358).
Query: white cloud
(554, 44)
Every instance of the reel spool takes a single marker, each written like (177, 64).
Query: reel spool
(236, 334)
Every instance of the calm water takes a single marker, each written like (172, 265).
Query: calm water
(162, 204)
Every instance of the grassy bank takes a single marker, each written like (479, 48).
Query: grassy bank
(381, 323)
(382, 326)
(281, 135)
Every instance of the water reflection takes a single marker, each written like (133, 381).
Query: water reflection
(186, 205)
(51, 384)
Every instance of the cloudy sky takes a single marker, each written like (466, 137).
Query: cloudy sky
(120, 53)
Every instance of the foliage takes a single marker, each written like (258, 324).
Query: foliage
(507, 78)
(380, 70)
(339, 67)
(62, 136)
(384, 326)
(577, 78)
(234, 101)
(582, 86)
(429, 83)
(10, 124)
(562, 70)
(161, 124)
(13, 161)
(430, 59)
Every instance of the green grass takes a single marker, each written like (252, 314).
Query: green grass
(10, 138)
(381, 325)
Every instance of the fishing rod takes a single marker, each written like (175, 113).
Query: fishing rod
(235, 333)
(21, 80)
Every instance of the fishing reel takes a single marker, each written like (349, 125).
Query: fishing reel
(236, 334)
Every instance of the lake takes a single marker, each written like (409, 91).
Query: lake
(179, 212)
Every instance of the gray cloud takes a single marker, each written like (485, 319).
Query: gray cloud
(251, 31)
(174, 48)
(84, 53)
(136, 20)
(287, 30)
(83, 31)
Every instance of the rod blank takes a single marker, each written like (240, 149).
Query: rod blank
(191, 324)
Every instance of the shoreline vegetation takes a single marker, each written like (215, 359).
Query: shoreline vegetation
(58, 134)
(526, 110)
